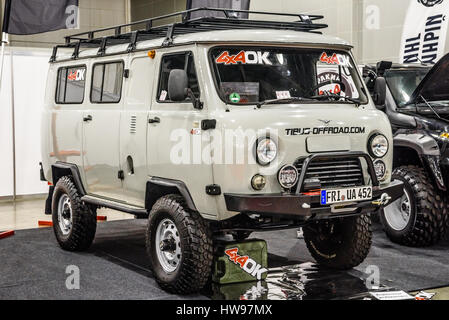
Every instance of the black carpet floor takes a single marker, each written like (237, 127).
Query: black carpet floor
(32, 266)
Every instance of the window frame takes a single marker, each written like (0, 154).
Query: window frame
(104, 63)
(65, 88)
(187, 52)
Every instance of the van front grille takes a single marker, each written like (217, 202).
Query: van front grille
(334, 172)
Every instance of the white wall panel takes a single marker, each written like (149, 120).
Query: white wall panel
(6, 172)
(30, 74)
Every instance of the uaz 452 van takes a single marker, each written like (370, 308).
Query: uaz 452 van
(212, 127)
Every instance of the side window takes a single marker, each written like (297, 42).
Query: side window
(182, 61)
(70, 85)
(107, 82)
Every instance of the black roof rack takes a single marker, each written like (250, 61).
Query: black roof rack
(186, 25)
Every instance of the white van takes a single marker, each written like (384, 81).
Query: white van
(210, 127)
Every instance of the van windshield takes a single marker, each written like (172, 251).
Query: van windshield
(249, 75)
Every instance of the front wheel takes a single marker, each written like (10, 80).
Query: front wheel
(179, 246)
(340, 243)
(419, 218)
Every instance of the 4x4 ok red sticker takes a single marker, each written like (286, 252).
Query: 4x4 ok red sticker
(335, 59)
(76, 75)
(244, 57)
(246, 263)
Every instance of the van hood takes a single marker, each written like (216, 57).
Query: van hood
(435, 85)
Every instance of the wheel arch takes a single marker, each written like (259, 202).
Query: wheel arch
(421, 150)
(158, 187)
(61, 169)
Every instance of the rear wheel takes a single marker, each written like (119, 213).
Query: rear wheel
(419, 217)
(179, 246)
(74, 222)
(340, 243)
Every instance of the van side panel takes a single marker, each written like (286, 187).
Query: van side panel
(133, 128)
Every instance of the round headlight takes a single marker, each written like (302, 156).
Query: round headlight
(380, 168)
(288, 176)
(266, 151)
(378, 146)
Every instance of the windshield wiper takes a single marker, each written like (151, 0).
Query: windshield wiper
(292, 99)
(333, 95)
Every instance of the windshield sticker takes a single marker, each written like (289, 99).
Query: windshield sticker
(163, 95)
(234, 97)
(283, 95)
(76, 75)
(335, 59)
(244, 57)
(329, 77)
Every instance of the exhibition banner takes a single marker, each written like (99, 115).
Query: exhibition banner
(424, 32)
(24, 17)
(224, 4)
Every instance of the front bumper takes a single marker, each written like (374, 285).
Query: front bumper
(307, 205)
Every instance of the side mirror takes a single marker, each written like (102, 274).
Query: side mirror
(380, 93)
(177, 85)
(178, 88)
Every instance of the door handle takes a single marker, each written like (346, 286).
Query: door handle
(87, 118)
(154, 120)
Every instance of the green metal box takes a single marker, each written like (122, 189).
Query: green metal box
(240, 261)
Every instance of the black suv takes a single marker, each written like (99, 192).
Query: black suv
(416, 99)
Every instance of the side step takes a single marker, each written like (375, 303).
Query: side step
(139, 212)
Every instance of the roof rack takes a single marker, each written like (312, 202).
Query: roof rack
(187, 25)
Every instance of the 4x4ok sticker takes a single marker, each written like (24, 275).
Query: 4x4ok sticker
(335, 59)
(244, 57)
(76, 75)
(246, 263)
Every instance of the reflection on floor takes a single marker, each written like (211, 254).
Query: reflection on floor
(25, 214)
(116, 266)
(305, 281)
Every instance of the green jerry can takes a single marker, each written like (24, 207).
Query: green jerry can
(240, 261)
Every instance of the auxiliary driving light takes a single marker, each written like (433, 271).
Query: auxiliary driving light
(380, 168)
(288, 176)
(258, 182)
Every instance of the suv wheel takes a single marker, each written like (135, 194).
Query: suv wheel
(74, 222)
(179, 246)
(420, 217)
(340, 243)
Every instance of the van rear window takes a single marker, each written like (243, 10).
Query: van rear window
(70, 84)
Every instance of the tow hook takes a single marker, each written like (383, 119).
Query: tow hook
(383, 201)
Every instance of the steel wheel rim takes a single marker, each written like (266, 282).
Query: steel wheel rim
(65, 214)
(399, 212)
(168, 245)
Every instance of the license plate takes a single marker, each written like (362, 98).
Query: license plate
(346, 195)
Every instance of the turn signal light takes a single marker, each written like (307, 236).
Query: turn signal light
(152, 54)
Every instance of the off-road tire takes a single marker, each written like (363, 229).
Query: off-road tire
(428, 221)
(340, 243)
(195, 266)
(84, 218)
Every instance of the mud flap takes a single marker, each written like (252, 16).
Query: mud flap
(49, 199)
